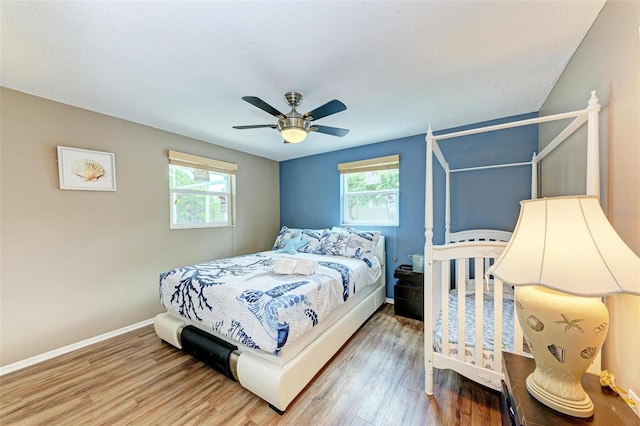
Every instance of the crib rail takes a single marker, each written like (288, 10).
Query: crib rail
(479, 235)
(459, 269)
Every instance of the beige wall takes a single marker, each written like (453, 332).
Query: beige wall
(76, 264)
(608, 61)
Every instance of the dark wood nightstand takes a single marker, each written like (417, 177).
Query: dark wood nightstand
(408, 293)
(518, 407)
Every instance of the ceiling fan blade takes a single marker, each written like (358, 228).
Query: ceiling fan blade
(257, 102)
(334, 131)
(255, 126)
(329, 108)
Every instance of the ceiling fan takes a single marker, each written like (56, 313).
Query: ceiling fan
(295, 126)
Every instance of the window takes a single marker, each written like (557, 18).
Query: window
(370, 191)
(201, 190)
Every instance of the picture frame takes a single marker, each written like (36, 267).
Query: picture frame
(86, 170)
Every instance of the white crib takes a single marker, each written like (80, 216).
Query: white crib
(466, 312)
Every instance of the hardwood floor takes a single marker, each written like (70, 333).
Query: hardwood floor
(136, 379)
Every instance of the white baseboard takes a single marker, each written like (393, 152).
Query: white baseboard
(10, 368)
(19, 365)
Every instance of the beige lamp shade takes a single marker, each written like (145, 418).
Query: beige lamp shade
(567, 244)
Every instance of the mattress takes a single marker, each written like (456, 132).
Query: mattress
(243, 300)
(487, 344)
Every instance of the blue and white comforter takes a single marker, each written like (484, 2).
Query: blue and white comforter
(244, 300)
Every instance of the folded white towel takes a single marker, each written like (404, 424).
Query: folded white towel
(287, 266)
(305, 267)
(284, 266)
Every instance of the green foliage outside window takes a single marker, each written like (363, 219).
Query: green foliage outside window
(372, 193)
(199, 196)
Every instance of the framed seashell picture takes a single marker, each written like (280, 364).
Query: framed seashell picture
(82, 169)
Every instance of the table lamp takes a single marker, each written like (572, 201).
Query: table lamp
(564, 256)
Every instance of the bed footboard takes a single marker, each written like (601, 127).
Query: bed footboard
(280, 384)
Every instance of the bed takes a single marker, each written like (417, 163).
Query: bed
(469, 310)
(272, 320)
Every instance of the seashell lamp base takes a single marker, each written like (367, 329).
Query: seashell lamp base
(564, 333)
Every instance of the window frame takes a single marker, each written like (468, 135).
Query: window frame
(204, 164)
(373, 164)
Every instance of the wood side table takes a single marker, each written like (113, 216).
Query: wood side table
(518, 407)
(408, 293)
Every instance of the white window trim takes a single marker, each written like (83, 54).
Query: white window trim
(203, 163)
(371, 164)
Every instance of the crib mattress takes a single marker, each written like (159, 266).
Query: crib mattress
(487, 346)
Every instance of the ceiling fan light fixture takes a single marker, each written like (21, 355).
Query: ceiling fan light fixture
(293, 128)
(294, 134)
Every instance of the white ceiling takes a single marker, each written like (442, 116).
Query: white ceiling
(398, 66)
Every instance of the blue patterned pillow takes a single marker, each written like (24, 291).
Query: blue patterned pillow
(350, 243)
(313, 235)
(284, 234)
(362, 244)
(294, 245)
(333, 243)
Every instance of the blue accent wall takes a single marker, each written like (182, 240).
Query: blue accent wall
(310, 186)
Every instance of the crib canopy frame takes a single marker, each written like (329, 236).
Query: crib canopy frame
(589, 115)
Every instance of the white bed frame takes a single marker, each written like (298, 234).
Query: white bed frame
(279, 383)
(483, 246)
